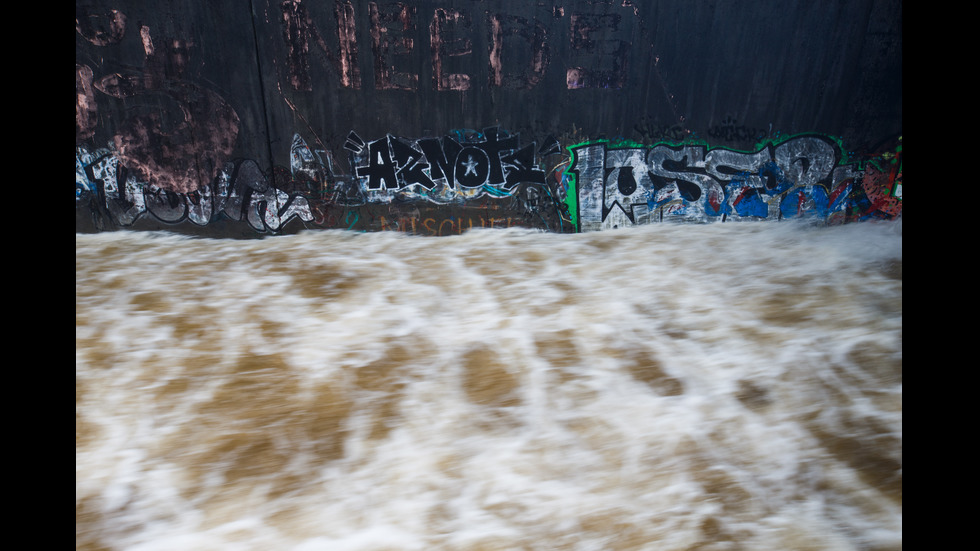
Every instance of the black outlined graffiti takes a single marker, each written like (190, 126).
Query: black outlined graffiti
(443, 169)
(431, 185)
(240, 192)
(470, 169)
(652, 131)
(730, 131)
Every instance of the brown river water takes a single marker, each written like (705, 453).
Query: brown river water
(667, 387)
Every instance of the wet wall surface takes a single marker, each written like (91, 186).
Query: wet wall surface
(277, 114)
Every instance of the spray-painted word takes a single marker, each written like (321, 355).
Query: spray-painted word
(239, 192)
(801, 176)
(468, 166)
(597, 51)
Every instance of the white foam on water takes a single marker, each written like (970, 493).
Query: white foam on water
(727, 386)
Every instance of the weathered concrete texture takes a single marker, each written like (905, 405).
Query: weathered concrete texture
(173, 97)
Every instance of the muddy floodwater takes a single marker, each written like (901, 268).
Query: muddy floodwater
(730, 386)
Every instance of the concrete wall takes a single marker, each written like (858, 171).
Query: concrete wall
(235, 118)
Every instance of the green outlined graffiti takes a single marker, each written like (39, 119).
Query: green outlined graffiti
(624, 183)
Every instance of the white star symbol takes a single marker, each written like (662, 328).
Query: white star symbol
(470, 165)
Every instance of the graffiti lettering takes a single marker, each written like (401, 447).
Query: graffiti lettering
(299, 30)
(436, 186)
(478, 167)
(729, 131)
(391, 35)
(597, 40)
(444, 22)
(536, 36)
(443, 170)
(240, 192)
(798, 177)
(584, 27)
(653, 132)
(449, 226)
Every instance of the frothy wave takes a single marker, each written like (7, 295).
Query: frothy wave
(726, 386)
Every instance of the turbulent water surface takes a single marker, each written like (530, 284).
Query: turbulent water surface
(725, 386)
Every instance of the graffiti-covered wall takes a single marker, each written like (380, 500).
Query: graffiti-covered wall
(801, 176)
(233, 118)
